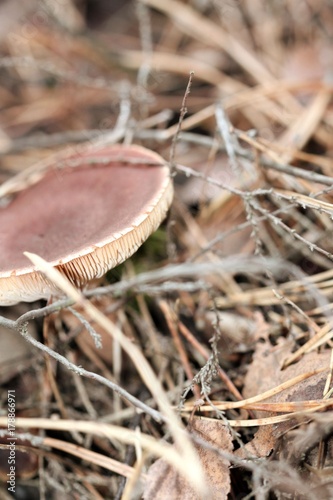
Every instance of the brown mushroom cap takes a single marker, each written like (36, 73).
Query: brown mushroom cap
(84, 217)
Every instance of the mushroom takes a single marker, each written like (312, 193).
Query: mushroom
(84, 216)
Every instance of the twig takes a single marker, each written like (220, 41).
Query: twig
(195, 476)
(286, 168)
(203, 351)
(95, 336)
(93, 376)
(183, 111)
(278, 222)
(142, 282)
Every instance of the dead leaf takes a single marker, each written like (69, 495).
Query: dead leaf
(165, 483)
(265, 373)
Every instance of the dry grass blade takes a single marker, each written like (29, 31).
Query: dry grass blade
(206, 31)
(259, 422)
(106, 431)
(321, 337)
(90, 456)
(223, 319)
(194, 475)
(228, 405)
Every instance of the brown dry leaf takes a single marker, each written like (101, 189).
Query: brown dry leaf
(165, 483)
(265, 373)
(266, 363)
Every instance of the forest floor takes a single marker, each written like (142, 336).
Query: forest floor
(229, 302)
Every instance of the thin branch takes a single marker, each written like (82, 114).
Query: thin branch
(141, 282)
(85, 373)
(183, 111)
(94, 335)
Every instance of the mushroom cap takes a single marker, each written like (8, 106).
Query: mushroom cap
(84, 216)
